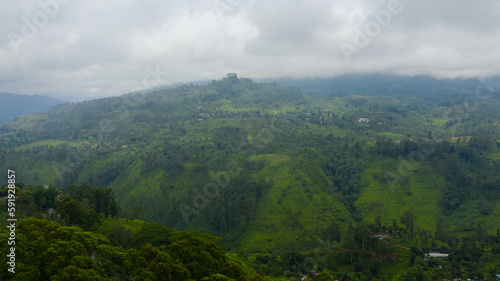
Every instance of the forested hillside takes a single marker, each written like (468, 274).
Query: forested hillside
(78, 235)
(284, 177)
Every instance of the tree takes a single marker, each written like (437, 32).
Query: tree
(324, 276)
(45, 198)
(73, 273)
(71, 211)
(441, 231)
(120, 235)
(378, 223)
(217, 277)
(293, 260)
(395, 226)
(333, 233)
(360, 237)
(201, 257)
(483, 143)
(408, 219)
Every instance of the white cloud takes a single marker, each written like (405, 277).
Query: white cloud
(101, 48)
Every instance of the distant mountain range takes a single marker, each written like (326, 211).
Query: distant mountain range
(14, 105)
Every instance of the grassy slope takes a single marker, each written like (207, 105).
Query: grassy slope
(132, 225)
(467, 216)
(418, 193)
(297, 207)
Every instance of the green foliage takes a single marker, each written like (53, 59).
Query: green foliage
(270, 169)
(408, 219)
(119, 235)
(324, 276)
(216, 277)
(203, 258)
(154, 234)
(48, 251)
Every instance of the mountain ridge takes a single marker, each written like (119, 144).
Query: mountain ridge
(303, 154)
(14, 105)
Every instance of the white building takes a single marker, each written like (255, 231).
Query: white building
(436, 255)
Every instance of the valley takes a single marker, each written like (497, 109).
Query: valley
(283, 174)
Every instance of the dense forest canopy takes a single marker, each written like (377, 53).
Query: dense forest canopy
(297, 180)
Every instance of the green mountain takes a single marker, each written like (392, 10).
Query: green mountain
(274, 170)
(14, 105)
(79, 235)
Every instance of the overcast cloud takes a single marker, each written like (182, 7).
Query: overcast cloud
(92, 48)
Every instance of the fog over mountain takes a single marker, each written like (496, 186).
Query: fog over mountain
(93, 49)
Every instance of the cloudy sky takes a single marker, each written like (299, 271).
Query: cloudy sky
(69, 48)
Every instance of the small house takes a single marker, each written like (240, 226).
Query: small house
(364, 120)
(381, 236)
